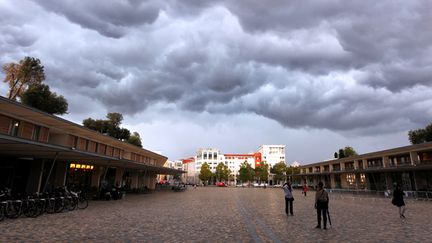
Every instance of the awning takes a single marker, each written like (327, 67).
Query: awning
(27, 149)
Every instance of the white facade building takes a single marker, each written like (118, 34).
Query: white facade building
(233, 161)
(211, 156)
(272, 154)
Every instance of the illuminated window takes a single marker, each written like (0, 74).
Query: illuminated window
(362, 178)
(15, 128)
(350, 178)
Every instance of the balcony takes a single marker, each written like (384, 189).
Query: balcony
(424, 162)
(349, 168)
(374, 166)
(399, 164)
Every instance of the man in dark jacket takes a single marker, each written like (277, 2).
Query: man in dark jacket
(321, 205)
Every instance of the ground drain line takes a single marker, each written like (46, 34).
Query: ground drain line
(247, 220)
(248, 217)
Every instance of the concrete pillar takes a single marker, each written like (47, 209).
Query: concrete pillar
(152, 182)
(60, 174)
(134, 180)
(385, 160)
(414, 158)
(119, 176)
(332, 181)
(35, 177)
(342, 166)
(96, 176)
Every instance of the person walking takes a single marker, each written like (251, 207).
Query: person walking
(321, 205)
(289, 198)
(398, 200)
(305, 189)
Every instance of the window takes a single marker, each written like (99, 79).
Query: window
(97, 147)
(15, 128)
(36, 133)
(87, 145)
(75, 143)
(350, 178)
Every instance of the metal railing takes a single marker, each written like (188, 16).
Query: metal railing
(416, 195)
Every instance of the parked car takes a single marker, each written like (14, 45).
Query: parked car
(221, 184)
(296, 185)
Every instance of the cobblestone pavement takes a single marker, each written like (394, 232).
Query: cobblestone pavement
(210, 214)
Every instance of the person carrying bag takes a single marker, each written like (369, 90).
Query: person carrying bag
(289, 198)
(321, 205)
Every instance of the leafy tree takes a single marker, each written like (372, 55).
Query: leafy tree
(416, 136)
(421, 135)
(19, 76)
(205, 173)
(341, 154)
(135, 139)
(40, 97)
(114, 118)
(246, 172)
(222, 172)
(231, 177)
(293, 172)
(278, 171)
(111, 126)
(349, 151)
(261, 172)
(345, 152)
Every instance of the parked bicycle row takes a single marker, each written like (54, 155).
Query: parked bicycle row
(60, 200)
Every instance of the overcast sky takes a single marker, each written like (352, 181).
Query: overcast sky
(313, 75)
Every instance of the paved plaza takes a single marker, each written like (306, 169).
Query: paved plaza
(211, 214)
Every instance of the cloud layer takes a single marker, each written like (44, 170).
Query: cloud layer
(354, 67)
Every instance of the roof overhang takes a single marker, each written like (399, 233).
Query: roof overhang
(29, 150)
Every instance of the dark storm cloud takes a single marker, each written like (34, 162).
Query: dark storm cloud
(339, 65)
(110, 18)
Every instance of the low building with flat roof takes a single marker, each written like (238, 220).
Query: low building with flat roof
(410, 166)
(40, 151)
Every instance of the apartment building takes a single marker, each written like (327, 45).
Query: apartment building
(272, 154)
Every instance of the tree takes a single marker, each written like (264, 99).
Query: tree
(417, 136)
(341, 154)
(349, 151)
(421, 135)
(19, 76)
(205, 173)
(40, 97)
(111, 127)
(261, 172)
(293, 172)
(278, 171)
(345, 152)
(135, 139)
(114, 118)
(246, 172)
(222, 172)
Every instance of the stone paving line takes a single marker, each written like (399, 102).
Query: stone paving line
(211, 214)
